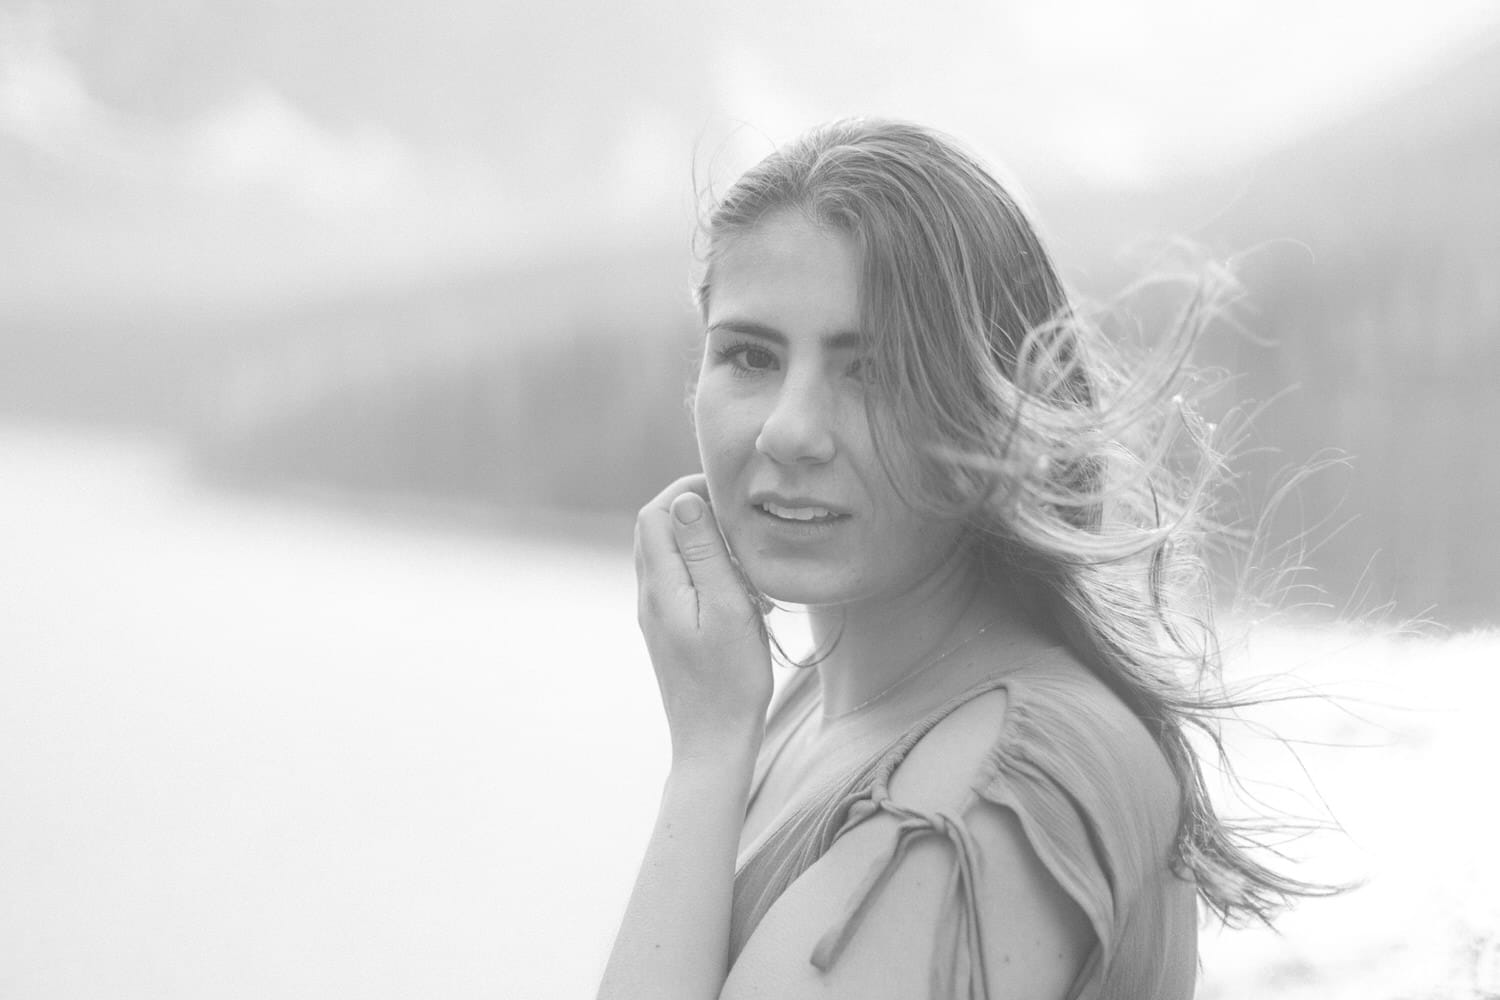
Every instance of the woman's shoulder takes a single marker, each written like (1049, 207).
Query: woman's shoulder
(1007, 883)
(1081, 777)
(1065, 726)
(1049, 765)
(902, 901)
(1051, 720)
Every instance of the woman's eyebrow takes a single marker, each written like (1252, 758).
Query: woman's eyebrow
(843, 340)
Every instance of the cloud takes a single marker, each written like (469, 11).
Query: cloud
(43, 102)
(259, 140)
(256, 142)
(252, 193)
(646, 162)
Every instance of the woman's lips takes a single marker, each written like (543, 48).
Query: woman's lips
(796, 506)
(790, 512)
(803, 520)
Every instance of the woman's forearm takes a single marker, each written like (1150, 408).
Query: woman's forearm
(674, 941)
(713, 668)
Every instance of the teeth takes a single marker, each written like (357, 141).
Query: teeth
(797, 513)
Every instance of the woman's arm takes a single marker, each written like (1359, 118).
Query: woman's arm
(674, 940)
(1028, 939)
(713, 668)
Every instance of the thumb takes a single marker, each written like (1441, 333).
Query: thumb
(702, 547)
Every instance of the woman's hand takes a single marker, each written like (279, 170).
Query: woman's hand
(702, 627)
(704, 633)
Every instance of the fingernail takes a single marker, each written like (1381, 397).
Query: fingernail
(688, 508)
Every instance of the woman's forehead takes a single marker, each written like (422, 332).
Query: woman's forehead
(782, 234)
(790, 266)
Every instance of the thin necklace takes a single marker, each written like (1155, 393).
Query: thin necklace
(913, 675)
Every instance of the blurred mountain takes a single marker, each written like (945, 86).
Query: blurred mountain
(1370, 254)
(485, 388)
(1370, 249)
(561, 385)
(1374, 268)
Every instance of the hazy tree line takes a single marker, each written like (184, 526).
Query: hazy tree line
(1386, 360)
(585, 419)
(1371, 262)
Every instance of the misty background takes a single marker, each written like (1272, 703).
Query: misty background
(339, 344)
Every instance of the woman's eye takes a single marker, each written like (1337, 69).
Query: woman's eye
(758, 358)
(748, 359)
(862, 369)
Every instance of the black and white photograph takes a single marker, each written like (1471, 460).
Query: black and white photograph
(705, 501)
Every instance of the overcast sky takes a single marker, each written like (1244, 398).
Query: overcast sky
(244, 150)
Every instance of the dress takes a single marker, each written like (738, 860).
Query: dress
(1093, 794)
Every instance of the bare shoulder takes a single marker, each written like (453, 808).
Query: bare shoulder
(933, 873)
(1055, 710)
(939, 771)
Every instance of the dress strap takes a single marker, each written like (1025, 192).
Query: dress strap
(960, 959)
(959, 967)
(1093, 797)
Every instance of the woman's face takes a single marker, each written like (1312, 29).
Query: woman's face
(800, 493)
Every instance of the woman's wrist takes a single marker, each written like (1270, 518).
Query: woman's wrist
(725, 750)
(674, 940)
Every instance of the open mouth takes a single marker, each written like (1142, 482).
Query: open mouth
(800, 515)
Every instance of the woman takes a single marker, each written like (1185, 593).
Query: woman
(981, 784)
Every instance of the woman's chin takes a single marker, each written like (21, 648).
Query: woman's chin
(802, 588)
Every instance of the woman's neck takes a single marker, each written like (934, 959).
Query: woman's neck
(875, 644)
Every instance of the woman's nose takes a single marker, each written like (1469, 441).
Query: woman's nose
(798, 430)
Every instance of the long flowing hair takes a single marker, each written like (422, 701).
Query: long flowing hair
(1093, 481)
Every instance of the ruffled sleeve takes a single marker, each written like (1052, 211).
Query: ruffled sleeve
(1096, 802)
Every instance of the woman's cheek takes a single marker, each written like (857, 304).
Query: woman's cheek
(715, 457)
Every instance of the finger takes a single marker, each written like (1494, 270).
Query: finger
(658, 564)
(703, 550)
(695, 483)
(657, 561)
(656, 555)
